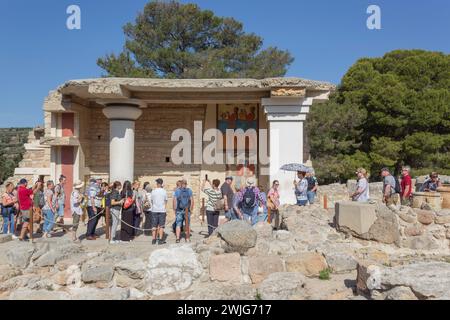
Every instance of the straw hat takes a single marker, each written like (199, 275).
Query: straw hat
(78, 185)
(250, 182)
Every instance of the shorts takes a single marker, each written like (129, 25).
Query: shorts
(60, 211)
(158, 219)
(179, 219)
(25, 215)
(76, 221)
(394, 199)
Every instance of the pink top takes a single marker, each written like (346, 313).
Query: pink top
(275, 196)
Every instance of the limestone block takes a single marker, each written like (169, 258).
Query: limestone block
(308, 263)
(261, 267)
(355, 217)
(225, 268)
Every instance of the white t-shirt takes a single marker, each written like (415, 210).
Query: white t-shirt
(363, 184)
(159, 200)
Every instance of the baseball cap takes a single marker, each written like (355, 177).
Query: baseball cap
(23, 181)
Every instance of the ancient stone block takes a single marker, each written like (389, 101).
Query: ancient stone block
(225, 268)
(355, 217)
(261, 267)
(425, 216)
(308, 263)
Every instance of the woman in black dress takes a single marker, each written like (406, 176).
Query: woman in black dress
(126, 229)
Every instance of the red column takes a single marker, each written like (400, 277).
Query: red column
(68, 157)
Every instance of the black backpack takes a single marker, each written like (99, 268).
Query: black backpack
(249, 199)
(397, 188)
(311, 183)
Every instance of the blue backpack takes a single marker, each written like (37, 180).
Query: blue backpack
(184, 199)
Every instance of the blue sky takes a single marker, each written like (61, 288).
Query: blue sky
(326, 37)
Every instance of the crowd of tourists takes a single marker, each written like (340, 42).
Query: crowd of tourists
(138, 211)
(133, 209)
(395, 191)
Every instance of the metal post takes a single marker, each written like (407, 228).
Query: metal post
(269, 212)
(203, 210)
(325, 202)
(31, 223)
(187, 231)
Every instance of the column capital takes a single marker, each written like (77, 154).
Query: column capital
(122, 112)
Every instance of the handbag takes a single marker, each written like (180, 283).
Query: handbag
(128, 203)
(219, 205)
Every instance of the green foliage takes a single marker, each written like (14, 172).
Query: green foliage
(174, 40)
(11, 150)
(394, 110)
(325, 274)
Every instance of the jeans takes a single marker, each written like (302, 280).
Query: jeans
(311, 196)
(61, 209)
(179, 220)
(231, 215)
(115, 217)
(48, 220)
(250, 214)
(302, 203)
(8, 220)
(213, 220)
(147, 223)
(92, 224)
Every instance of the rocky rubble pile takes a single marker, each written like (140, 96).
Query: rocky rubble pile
(308, 259)
(421, 229)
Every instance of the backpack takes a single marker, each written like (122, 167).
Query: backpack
(219, 205)
(397, 188)
(41, 199)
(183, 199)
(311, 183)
(249, 198)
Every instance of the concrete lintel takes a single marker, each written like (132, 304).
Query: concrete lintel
(60, 141)
(32, 171)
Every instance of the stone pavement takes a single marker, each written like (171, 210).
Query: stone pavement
(141, 246)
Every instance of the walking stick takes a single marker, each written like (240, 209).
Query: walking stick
(188, 230)
(31, 224)
(107, 218)
(203, 211)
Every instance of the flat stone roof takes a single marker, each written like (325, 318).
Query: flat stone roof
(108, 85)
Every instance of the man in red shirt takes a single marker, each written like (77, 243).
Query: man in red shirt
(25, 205)
(406, 185)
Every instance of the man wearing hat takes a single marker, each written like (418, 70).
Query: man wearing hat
(248, 201)
(228, 195)
(76, 199)
(159, 212)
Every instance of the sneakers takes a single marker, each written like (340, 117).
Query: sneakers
(15, 237)
(153, 241)
(161, 242)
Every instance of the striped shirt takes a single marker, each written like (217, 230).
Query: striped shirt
(213, 197)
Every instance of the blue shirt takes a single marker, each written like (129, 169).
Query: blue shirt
(177, 194)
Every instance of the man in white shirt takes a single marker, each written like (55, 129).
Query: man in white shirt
(159, 203)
